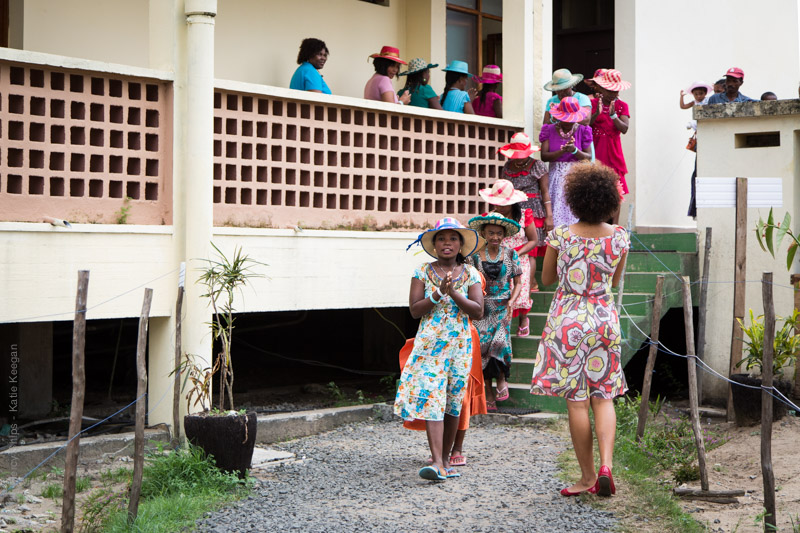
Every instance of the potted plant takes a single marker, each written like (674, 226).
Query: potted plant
(747, 400)
(229, 435)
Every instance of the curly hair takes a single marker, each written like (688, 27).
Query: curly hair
(309, 48)
(591, 192)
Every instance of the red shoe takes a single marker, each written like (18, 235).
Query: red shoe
(567, 492)
(605, 482)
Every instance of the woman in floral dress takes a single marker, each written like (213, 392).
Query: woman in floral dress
(500, 267)
(444, 294)
(530, 176)
(579, 354)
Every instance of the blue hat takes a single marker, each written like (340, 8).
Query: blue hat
(458, 66)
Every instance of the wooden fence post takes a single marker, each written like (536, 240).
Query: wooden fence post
(739, 273)
(141, 408)
(76, 410)
(176, 394)
(701, 312)
(795, 280)
(651, 358)
(767, 475)
(692, 368)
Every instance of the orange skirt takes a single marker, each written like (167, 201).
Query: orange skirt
(474, 399)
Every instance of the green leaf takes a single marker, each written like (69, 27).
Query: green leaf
(768, 232)
(784, 227)
(790, 255)
(759, 231)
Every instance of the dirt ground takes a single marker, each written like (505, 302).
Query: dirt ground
(734, 465)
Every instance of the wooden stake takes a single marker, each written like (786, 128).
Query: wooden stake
(701, 313)
(176, 396)
(692, 367)
(767, 474)
(141, 405)
(651, 358)
(795, 280)
(739, 272)
(76, 411)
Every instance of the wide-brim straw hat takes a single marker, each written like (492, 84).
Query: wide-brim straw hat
(391, 53)
(563, 79)
(520, 147)
(611, 80)
(511, 227)
(472, 241)
(569, 110)
(457, 66)
(502, 192)
(700, 85)
(491, 74)
(417, 65)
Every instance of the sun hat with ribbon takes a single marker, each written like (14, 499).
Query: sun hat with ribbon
(416, 65)
(569, 110)
(391, 53)
(520, 147)
(611, 80)
(700, 85)
(563, 79)
(490, 74)
(472, 241)
(457, 66)
(502, 192)
(477, 223)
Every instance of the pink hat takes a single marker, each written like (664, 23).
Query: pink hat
(490, 74)
(611, 80)
(391, 53)
(735, 72)
(569, 110)
(520, 147)
(502, 192)
(700, 85)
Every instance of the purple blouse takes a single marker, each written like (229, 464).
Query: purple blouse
(582, 135)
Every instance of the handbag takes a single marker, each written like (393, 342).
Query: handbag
(692, 144)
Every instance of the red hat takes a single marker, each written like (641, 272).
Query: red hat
(391, 53)
(611, 80)
(519, 148)
(569, 110)
(735, 72)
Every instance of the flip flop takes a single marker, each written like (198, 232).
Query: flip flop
(502, 394)
(458, 460)
(451, 472)
(524, 332)
(491, 406)
(431, 473)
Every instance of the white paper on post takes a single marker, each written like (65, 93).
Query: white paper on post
(721, 192)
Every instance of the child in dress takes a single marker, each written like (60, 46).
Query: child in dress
(445, 295)
(579, 354)
(530, 176)
(507, 201)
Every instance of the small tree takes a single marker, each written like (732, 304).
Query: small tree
(770, 236)
(222, 278)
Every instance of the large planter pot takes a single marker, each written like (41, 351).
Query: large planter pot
(229, 438)
(747, 401)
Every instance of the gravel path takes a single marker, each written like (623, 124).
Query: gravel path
(363, 477)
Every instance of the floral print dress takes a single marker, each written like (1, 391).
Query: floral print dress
(579, 354)
(494, 328)
(434, 380)
(523, 303)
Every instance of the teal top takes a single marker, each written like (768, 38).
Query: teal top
(420, 96)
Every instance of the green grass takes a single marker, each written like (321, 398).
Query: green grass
(177, 488)
(119, 475)
(53, 491)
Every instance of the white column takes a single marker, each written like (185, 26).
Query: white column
(519, 63)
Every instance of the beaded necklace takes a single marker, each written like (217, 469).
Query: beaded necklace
(496, 258)
(451, 272)
(568, 133)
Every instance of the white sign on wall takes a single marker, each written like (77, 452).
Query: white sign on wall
(721, 192)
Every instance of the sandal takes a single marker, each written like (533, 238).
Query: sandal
(502, 394)
(491, 406)
(524, 332)
(451, 473)
(431, 473)
(458, 460)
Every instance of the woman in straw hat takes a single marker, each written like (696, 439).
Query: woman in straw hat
(579, 353)
(530, 176)
(562, 85)
(610, 119)
(506, 200)
(445, 295)
(454, 97)
(500, 266)
(417, 84)
(488, 103)
(563, 144)
(379, 87)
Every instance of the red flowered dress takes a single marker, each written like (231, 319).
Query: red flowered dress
(579, 354)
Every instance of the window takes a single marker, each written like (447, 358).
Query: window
(475, 33)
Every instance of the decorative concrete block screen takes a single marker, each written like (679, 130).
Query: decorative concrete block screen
(84, 146)
(281, 162)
